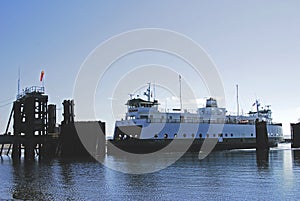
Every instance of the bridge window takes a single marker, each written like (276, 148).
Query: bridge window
(200, 135)
(156, 136)
(175, 135)
(193, 135)
(166, 136)
(184, 135)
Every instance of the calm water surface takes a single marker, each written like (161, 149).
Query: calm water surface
(225, 175)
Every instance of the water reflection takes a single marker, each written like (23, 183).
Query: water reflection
(296, 156)
(231, 175)
(262, 159)
(140, 163)
(30, 179)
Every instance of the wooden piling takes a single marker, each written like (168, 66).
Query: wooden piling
(16, 151)
(295, 130)
(262, 141)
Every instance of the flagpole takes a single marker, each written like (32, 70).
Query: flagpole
(42, 80)
(43, 85)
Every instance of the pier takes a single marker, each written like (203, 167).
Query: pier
(36, 133)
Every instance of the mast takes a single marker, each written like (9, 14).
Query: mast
(257, 108)
(154, 91)
(180, 93)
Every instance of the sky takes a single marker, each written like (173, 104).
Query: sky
(254, 44)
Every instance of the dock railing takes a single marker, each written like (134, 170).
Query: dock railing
(29, 90)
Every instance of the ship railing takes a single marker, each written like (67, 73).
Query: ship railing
(195, 121)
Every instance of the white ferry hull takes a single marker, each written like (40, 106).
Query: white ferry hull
(190, 136)
(149, 146)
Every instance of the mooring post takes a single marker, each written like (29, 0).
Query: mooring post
(262, 141)
(262, 144)
(295, 129)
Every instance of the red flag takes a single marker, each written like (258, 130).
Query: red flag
(42, 75)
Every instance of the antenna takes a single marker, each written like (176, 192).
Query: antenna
(180, 93)
(147, 93)
(19, 82)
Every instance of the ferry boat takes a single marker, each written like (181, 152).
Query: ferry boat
(145, 129)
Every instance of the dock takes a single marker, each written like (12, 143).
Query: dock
(36, 133)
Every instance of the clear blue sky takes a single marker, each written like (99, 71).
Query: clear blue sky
(253, 43)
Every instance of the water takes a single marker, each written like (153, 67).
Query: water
(225, 175)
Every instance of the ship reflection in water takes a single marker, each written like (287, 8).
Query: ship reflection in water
(224, 175)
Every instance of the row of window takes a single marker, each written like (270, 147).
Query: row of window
(192, 135)
(125, 136)
(200, 135)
